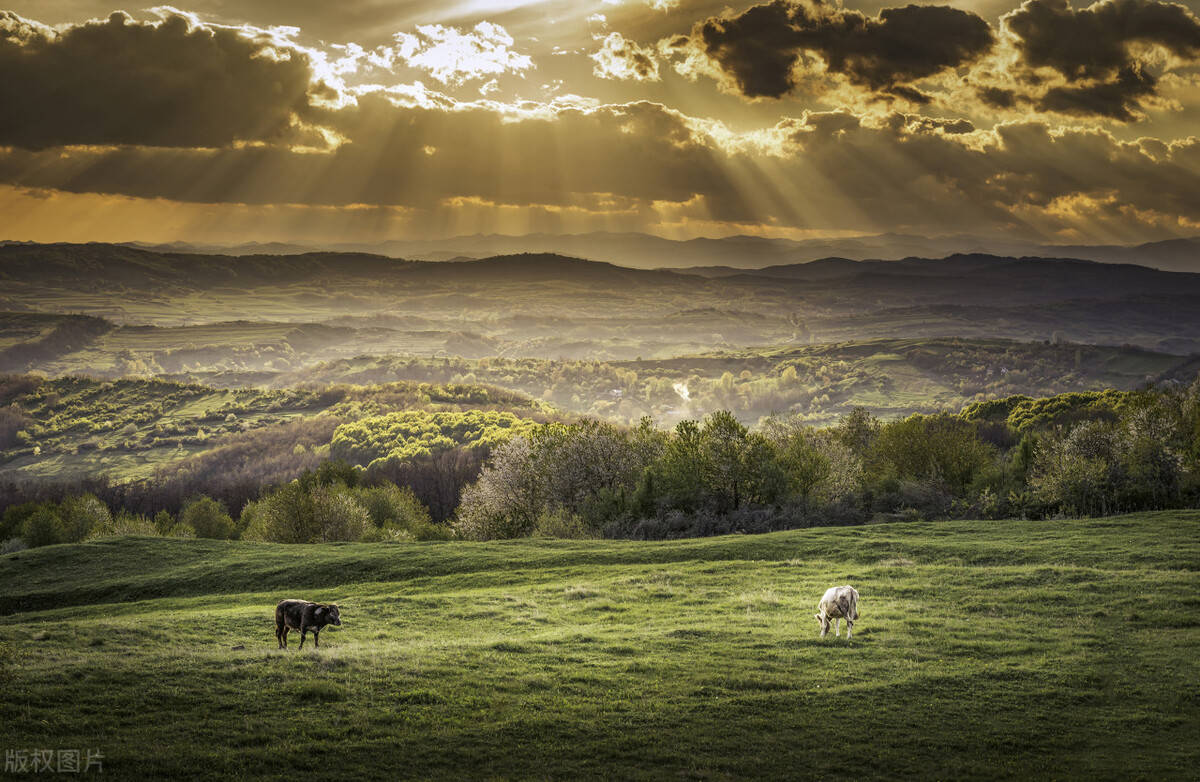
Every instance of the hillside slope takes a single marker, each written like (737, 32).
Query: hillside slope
(984, 649)
(547, 306)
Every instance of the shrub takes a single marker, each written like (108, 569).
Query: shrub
(14, 518)
(562, 524)
(397, 509)
(506, 500)
(392, 506)
(164, 521)
(318, 514)
(280, 517)
(338, 515)
(938, 448)
(80, 515)
(208, 518)
(124, 523)
(44, 527)
(12, 545)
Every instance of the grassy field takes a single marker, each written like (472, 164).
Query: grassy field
(1063, 649)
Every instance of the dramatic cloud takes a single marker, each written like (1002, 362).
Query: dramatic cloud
(164, 84)
(416, 151)
(118, 116)
(1103, 51)
(453, 56)
(1096, 41)
(643, 161)
(765, 48)
(1014, 173)
(624, 60)
(1117, 99)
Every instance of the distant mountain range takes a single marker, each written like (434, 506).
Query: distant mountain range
(552, 305)
(730, 253)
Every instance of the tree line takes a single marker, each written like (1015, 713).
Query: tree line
(1080, 454)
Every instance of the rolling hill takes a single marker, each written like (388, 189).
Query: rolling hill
(550, 306)
(984, 649)
(743, 252)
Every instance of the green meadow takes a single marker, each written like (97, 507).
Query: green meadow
(1054, 649)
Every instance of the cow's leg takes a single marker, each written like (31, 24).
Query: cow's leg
(317, 638)
(283, 643)
(303, 632)
(849, 629)
(837, 627)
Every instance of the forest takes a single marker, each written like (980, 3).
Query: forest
(346, 396)
(489, 474)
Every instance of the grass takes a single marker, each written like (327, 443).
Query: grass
(1064, 649)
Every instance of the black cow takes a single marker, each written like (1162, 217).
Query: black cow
(303, 616)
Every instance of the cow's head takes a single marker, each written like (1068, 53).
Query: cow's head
(334, 617)
(822, 620)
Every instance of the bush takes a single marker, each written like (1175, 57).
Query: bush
(280, 517)
(928, 449)
(44, 527)
(393, 507)
(80, 515)
(12, 545)
(506, 500)
(208, 518)
(319, 514)
(164, 521)
(124, 523)
(562, 524)
(14, 517)
(338, 515)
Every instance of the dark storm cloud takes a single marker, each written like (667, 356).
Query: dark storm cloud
(1096, 50)
(762, 48)
(1115, 99)
(152, 111)
(997, 97)
(413, 156)
(1017, 172)
(118, 81)
(1094, 42)
(825, 170)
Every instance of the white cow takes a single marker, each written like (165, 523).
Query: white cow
(836, 604)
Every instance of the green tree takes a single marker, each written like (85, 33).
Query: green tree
(81, 515)
(1072, 469)
(858, 430)
(43, 527)
(207, 518)
(508, 497)
(680, 474)
(724, 468)
(393, 507)
(163, 522)
(940, 448)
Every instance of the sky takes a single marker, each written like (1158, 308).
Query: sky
(227, 121)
